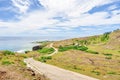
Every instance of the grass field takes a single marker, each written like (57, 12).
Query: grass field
(95, 65)
(101, 59)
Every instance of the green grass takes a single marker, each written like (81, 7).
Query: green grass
(95, 72)
(6, 62)
(46, 50)
(65, 48)
(107, 54)
(6, 52)
(111, 72)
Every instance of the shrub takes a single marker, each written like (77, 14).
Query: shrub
(111, 72)
(108, 54)
(6, 62)
(105, 36)
(65, 48)
(93, 52)
(44, 58)
(6, 52)
(82, 48)
(96, 72)
(46, 50)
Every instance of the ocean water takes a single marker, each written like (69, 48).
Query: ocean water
(22, 43)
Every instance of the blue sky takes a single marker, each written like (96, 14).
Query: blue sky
(73, 18)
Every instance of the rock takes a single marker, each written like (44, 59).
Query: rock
(2, 74)
(36, 48)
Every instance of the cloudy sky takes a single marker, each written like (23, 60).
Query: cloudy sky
(73, 18)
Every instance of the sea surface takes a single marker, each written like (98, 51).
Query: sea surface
(22, 43)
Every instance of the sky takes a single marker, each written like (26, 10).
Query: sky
(73, 18)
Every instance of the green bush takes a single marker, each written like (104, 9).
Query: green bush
(82, 48)
(96, 72)
(93, 52)
(111, 72)
(65, 48)
(46, 50)
(6, 52)
(44, 58)
(105, 36)
(6, 62)
(108, 54)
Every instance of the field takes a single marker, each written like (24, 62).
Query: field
(100, 59)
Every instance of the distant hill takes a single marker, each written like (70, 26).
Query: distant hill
(110, 40)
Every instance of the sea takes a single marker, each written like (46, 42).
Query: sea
(21, 44)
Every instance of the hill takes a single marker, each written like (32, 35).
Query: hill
(97, 56)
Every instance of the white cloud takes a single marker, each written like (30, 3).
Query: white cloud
(22, 5)
(112, 7)
(73, 10)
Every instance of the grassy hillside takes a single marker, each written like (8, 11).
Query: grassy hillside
(111, 38)
(96, 56)
(12, 67)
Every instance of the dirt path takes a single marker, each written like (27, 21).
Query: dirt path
(53, 72)
(56, 50)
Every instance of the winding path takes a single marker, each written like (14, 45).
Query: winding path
(53, 72)
(56, 50)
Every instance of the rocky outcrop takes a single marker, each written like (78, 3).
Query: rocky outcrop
(36, 48)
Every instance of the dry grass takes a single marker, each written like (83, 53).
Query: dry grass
(89, 64)
(105, 65)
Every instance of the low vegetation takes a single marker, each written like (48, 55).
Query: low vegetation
(6, 62)
(6, 52)
(46, 50)
(92, 52)
(44, 58)
(65, 48)
(12, 67)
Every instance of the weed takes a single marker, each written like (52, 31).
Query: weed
(108, 54)
(111, 72)
(93, 52)
(6, 52)
(6, 62)
(96, 72)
